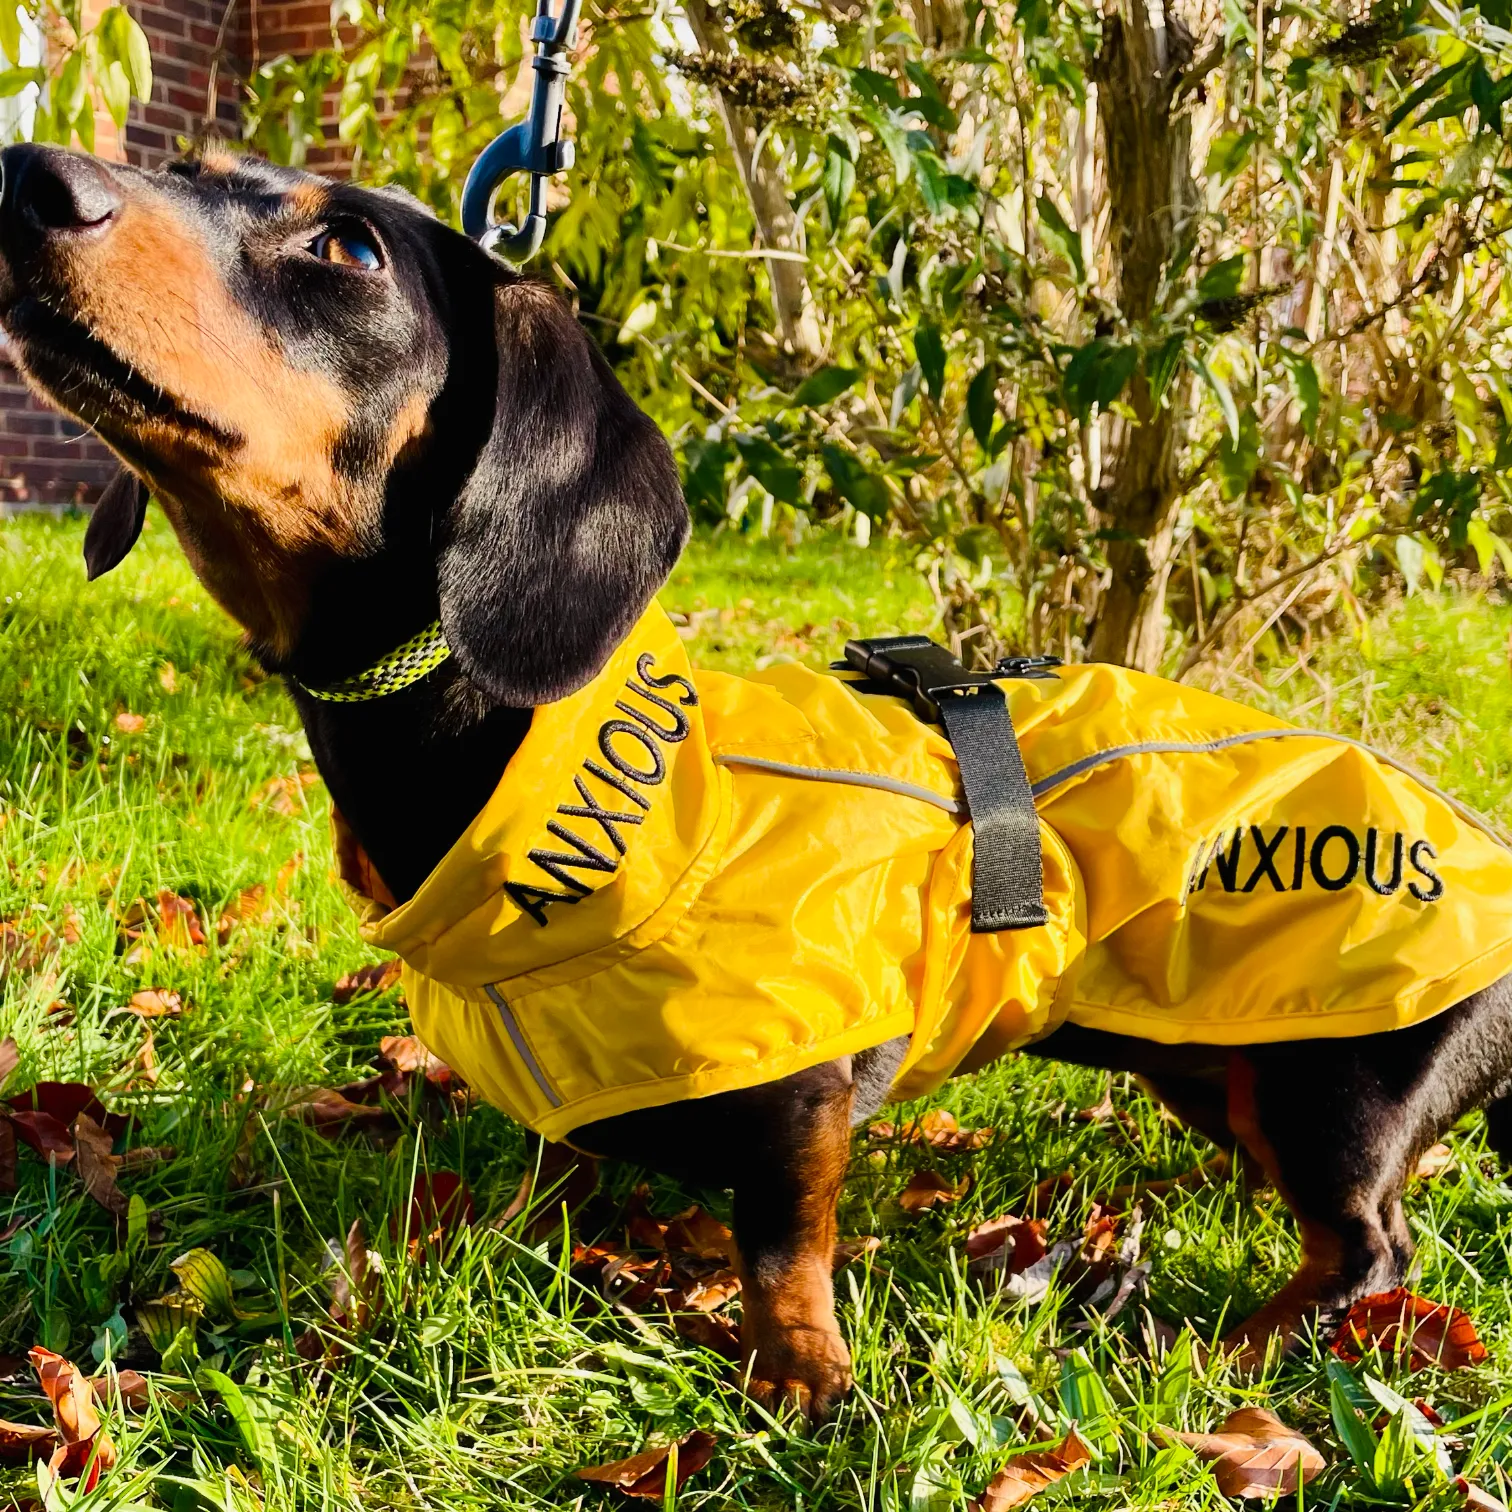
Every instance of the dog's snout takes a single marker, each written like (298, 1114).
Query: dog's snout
(46, 191)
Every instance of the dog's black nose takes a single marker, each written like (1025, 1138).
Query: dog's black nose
(47, 190)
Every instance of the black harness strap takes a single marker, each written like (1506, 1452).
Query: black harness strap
(1007, 868)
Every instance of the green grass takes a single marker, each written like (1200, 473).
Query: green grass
(489, 1375)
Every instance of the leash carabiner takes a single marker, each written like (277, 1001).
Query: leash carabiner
(534, 146)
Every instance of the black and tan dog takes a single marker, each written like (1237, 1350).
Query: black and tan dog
(359, 423)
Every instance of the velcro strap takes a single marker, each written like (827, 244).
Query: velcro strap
(1007, 868)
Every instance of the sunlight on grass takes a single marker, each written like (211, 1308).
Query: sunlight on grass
(488, 1373)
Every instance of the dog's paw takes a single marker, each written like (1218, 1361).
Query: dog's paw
(807, 1368)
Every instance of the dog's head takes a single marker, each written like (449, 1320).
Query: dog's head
(310, 377)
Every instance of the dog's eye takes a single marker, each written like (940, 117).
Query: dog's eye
(348, 247)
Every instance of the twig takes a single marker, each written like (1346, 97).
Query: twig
(762, 254)
(212, 87)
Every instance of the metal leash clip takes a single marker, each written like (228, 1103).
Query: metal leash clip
(534, 146)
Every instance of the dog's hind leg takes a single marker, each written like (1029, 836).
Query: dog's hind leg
(1338, 1126)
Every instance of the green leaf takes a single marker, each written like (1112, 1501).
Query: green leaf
(69, 93)
(1228, 154)
(1354, 1432)
(824, 386)
(255, 1435)
(639, 320)
(1059, 236)
(1096, 375)
(138, 58)
(136, 1226)
(10, 29)
(854, 483)
(1437, 84)
(1220, 391)
(981, 404)
(932, 180)
(876, 87)
(1085, 1400)
(202, 1276)
(1176, 1376)
(1305, 386)
(1161, 363)
(772, 468)
(1487, 100)
(838, 183)
(14, 80)
(929, 102)
(116, 89)
(1223, 279)
(930, 350)
(1238, 457)
(84, 124)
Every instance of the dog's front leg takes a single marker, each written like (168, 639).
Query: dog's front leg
(783, 1148)
(785, 1231)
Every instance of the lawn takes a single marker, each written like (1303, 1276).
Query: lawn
(159, 836)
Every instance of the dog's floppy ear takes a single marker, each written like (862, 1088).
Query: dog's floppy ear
(115, 524)
(569, 523)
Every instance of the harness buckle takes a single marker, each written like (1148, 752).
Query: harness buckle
(1036, 668)
(916, 668)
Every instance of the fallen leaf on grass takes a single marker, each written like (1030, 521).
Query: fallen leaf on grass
(98, 1165)
(1434, 1161)
(1431, 1333)
(439, 1204)
(155, 1002)
(559, 1173)
(127, 1387)
(645, 1475)
(404, 1052)
(1101, 1267)
(64, 1101)
(848, 1251)
(1254, 1454)
(10, 1058)
(7, 1156)
(84, 1441)
(927, 1189)
(130, 724)
(1477, 1499)
(378, 977)
(285, 795)
(168, 677)
(937, 1129)
(710, 1331)
(249, 906)
(354, 1283)
(1006, 1245)
(44, 1133)
(1028, 1474)
(328, 1111)
(179, 922)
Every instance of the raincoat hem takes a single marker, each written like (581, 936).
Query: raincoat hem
(612, 1101)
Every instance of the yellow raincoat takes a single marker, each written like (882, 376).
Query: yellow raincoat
(688, 882)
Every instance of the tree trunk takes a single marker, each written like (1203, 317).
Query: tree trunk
(1151, 200)
(766, 191)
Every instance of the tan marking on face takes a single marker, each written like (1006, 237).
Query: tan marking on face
(410, 430)
(255, 519)
(218, 160)
(309, 197)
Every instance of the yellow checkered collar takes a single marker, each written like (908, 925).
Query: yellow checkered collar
(419, 656)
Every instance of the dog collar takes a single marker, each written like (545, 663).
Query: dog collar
(419, 656)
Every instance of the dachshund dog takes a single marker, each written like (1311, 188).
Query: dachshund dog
(359, 423)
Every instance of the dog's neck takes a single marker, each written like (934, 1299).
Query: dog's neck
(412, 769)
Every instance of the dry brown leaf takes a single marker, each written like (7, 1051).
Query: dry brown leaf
(72, 929)
(378, 977)
(1026, 1475)
(849, 1250)
(168, 677)
(97, 1165)
(937, 1130)
(7, 1156)
(1476, 1498)
(645, 1475)
(330, 1112)
(146, 1057)
(140, 1155)
(10, 1058)
(74, 1412)
(47, 1135)
(20, 1442)
(179, 924)
(696, 1232)
(1434, 1161)
(354, 1284)
(1431, 1333)
(565, 1176)
(710, 1331)
(285, 795)
(249, 906)
(1254, 1454)
(404, 1052)
(1008, 1244)
(127, 1386)
(130, 724)
(155, 1002)
(927, 1189)
(440, 1202)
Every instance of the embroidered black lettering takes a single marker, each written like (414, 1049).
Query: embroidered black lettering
(617, 783)
(1421, 848)
(643, 666)
(1320, 846)
(1266, 866)
(680, 725)
(533, 900)
(1299, 859)
(658, 768)
(605, 818)
(583, 855)
(1228, 866)
(1372, 839)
